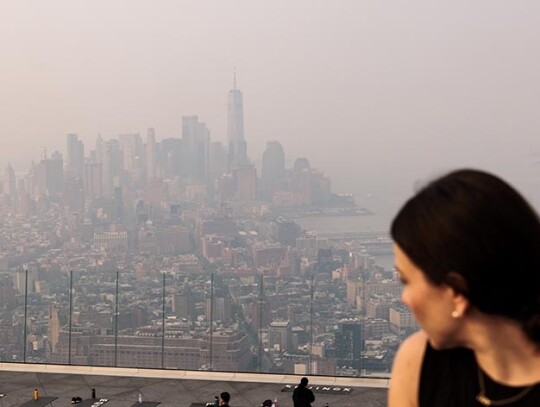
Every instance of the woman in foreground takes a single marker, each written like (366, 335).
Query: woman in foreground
(467, 247)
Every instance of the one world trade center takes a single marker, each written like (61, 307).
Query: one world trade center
(235, 129)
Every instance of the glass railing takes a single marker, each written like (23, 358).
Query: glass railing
(338, 323)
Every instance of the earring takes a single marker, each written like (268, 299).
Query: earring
(456, 314)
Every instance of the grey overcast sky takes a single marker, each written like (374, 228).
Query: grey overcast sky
(368, 90)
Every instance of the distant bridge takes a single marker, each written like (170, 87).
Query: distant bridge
(363, 237)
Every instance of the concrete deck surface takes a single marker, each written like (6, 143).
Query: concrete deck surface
(124, 391)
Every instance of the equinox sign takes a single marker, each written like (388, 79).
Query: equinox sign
(320, 389)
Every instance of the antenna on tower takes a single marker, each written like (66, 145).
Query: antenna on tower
(234, 78)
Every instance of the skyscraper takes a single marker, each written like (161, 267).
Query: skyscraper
(171, 157)
(111, 166)
(245, 183)
(235, 129)
(349, 343)
(280, 334)
(301, 181)
(99, 149)
(50, 177)
(219, 308)
(132, 149)
(217, 164)
(93, 180)
(273, 167)
(75, 155)
(196, 141)
(9, 181)
(183, 304)
(151, 155)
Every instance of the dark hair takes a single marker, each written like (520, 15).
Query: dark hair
(225, 396)
(474, 225)
(304, 381)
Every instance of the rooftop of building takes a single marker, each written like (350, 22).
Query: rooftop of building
(170, 388)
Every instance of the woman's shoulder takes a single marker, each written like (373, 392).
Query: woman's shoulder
(418, 368)
(406, 371)
(412, 349)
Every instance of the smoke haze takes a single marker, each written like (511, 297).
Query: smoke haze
(375, 94)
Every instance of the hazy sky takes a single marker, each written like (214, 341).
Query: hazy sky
(375, 93)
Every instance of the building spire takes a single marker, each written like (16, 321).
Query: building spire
(234, 78)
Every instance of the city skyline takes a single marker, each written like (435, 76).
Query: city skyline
(74, 152)
(194, 156)
(357, 87)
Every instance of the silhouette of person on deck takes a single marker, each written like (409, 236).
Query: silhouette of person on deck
(302, 396)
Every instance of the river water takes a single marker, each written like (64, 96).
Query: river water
(373, 222)
(384, 195)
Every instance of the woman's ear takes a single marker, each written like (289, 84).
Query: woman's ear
(458, 285)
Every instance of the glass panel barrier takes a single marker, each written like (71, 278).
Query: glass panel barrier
(189, 311)
(343, 320)
(187, 321)
(375, 291)
(285, 325)
(54, 289)
(237, 329)
(87, 336)
(46, 294)
(261, 320)
(12, 315)
(139, 320)
(231, 340)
